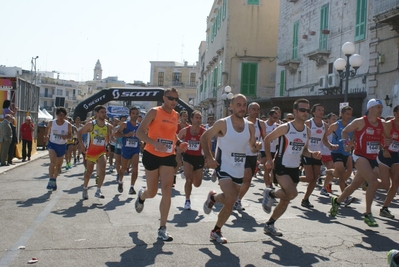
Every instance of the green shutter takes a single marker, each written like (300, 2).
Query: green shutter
(219, 17)
(249, 77)
(282, 82)
(295, 41)
(323, 25)
(201, 87)
(224, 9)
(220, 72)
(361, 15)
(253, 2)
(213, 32)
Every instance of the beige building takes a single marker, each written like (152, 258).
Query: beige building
(240, 51)
(182, 76)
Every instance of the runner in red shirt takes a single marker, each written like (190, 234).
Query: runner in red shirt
(27, 129)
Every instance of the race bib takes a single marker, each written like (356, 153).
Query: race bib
(167, 143)
(119, 145)
(99, 141)
(56, 135)
(131, 142)
(296, 148)
(394, 146)
(193, 145)
(314, 141)
(372, 147)
(238, 159)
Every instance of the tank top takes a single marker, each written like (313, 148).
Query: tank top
(337, 139)
(57, 131)
(368, 139)
(179, 127)
(231, 148)
(316, 136)
(194, 144)
(163, 129)
(132, 142)
(273, 143)
(325, 151)
(118, 142)
(258, 137)
(98, 139)
(290, 147)
(394, 146)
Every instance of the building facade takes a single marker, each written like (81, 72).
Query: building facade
(240, 51)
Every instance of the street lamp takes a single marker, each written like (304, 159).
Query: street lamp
(343, 66)
(226, 97)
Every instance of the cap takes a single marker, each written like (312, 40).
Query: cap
(28, 118)
(373, 102)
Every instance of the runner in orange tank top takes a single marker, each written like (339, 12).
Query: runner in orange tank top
(159, 157)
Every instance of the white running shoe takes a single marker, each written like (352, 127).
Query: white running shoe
(187, 205)
(218, 237)
(267, 201)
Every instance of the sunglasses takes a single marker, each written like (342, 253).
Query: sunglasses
(171, 98)
(304, 110)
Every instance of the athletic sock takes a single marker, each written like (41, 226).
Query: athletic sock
(270, 221)
(271, 194)
(216, 228)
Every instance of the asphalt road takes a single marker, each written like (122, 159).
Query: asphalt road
(59, 229)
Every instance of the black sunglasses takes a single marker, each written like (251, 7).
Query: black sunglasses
(304, 110)
(171, 98)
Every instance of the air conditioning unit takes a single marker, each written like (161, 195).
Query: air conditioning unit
(333, 80)
(323, 81)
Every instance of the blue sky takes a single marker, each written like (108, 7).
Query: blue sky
(69, 36)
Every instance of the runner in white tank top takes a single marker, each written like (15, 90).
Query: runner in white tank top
(293, 137)
(234, 134)
(271, 124)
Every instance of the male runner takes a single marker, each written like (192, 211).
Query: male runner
(326, 158)
(234, 132)
(179, 154)
(271, 124)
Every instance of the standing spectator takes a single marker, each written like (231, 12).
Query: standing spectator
(27, 129)
(14, 140)
(5, 138)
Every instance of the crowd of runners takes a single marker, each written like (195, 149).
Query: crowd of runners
(361, 152)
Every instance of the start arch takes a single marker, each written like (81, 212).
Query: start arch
(125, 94)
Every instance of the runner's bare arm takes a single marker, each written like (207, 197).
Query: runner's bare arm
(253, 144)
(141, 132)
(48, 130)
(119, 133)
(332, 128)
(219, 128)
(355, 125)
(276, 133)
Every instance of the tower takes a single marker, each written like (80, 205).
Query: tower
(98, 71)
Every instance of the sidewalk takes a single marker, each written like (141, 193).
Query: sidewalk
(18, 162)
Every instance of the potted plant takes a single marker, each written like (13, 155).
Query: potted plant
(312, 32)
(325, 31)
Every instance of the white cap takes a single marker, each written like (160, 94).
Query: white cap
(28, 118)
(373, 102)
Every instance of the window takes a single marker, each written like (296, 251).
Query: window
(59, 91)
(295, 41)
(205, 85)
(213, 32)
(224, 9)
(66, 93)
(249, 76)
(299, 76)
(361, 15)
(282, 82)
(176, 78)
(45, 104)
(323, 26)
(45, 92)
(253, 2)
(192, 79)
(219, 17)
(160, 78)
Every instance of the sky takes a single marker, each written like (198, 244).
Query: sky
(125, 35)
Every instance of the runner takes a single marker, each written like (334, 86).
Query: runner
(78, 125)
(327, 159)
(368, 132)
(193, 160)
(234, 132)
(251, 158)
(58, 132)
(179, 154)
(70, 147)
(317, 138)
(118, 146)
(388, 163)
(292, 143)
(271, 124)
(159, 157)
(130, 150)
(111, 145)
(99, 132)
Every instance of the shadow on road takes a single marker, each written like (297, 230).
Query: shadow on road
(185, 217)
(77, 209)
(34, 200)
(226, 258)
(245, 221)
(141, 254)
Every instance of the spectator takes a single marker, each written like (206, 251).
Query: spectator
(14, 140)
(5, 138)
(7, 109)
(27, 129)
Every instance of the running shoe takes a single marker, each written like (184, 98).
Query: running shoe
(162, 234)
(238, 206)
(324, 192)
(319, 181)
(187, 205)
(120, 187)
(98, 194)
(208, 205)
(85, 194)
(369, 220)
(334, 207)
(132, 191)
(271, 230)
(385, 212)
(139, 206)
(267, 201)
(52, 185)
(218, 237)
(305, 203)
(391, 254)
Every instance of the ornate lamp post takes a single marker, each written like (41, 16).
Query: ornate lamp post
(226, 97)
(343, 66)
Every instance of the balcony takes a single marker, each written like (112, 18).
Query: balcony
(43, 95)
(387, 12)
(286, 61)
(320, 56)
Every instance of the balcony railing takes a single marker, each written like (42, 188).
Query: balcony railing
(381, 6)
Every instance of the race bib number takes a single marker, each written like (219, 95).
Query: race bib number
(131, 142)
(56, 135)
(167, 143)
(373, 147)
(394, 146)
(314, 141)
(296, 148)
(99, 141)
(119, 145)
(193, 145)
(238, 159)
